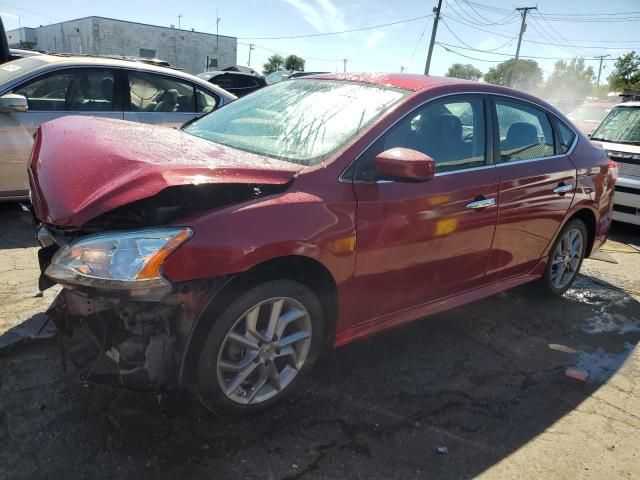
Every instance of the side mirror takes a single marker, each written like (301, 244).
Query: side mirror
(13, 103)
(405, 165)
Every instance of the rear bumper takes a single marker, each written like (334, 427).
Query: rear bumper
(626, 201)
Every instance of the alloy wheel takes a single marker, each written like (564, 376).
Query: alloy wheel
(264, 350)
(566, 258)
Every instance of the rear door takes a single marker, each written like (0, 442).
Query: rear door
(72, 91)
(537, 182)
(163, 100)
(417, 242)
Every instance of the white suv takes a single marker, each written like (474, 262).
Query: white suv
(619, 134)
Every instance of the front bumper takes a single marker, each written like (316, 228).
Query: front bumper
(626, 201)
(139, 345)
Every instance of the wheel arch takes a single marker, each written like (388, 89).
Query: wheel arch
(589, 219)
(306, 270)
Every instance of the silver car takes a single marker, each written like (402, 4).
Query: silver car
(36, 89)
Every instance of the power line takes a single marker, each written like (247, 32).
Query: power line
(556, 31)
(381, 25)
(469, 46)
(522, 56)
(501, 34)
(415, 49)
(467, 56)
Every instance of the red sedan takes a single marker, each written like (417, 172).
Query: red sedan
(222, 258)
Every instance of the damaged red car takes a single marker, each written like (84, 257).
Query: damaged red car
(223, 257)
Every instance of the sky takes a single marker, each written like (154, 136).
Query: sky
(556, 30)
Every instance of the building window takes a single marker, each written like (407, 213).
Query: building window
(147, 53)
(213, 63)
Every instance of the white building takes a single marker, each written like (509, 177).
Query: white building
(185, 49)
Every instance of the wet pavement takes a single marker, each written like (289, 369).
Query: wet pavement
(487, 381)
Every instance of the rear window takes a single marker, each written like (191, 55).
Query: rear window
(17, 68)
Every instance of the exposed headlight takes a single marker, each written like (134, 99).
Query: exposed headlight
(118, 261)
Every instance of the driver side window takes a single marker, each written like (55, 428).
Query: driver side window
(451, 131)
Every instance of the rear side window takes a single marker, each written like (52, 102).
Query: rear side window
(525, 132)
(566, 137)
(205, 101)
(79, 90)
(157, 93)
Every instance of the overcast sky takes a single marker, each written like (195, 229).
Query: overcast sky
(380, 49)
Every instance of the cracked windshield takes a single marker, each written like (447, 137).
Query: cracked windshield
(319, 239)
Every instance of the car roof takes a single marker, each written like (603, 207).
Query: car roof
(405, 81)
(634, 103)
(215, 73)
(51, 60)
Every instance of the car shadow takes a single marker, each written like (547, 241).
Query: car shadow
(17, 230)
(481, 380)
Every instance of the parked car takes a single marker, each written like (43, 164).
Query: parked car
(281, 75)
(39, 88)
(16, 53)
(237, 83)
(589, 115)
(619, 135)
(222, 258)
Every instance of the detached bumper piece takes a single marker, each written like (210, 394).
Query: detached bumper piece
(118, 342)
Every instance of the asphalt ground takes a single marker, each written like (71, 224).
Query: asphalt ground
(481, 390)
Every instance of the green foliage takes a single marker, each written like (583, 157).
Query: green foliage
(519, 74)
(274, 62)
(294, 62)
(467, 72)
(570, 80)
(626, 73)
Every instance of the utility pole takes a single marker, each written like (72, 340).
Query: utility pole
(179, 17)
(523, 26)
(600, 67)
(217, 37)
(401, 70)
(436, 11)
(344, 65)
(250, 48)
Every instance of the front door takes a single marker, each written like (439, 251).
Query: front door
(77, 91)
(537, 181)
(418, 242)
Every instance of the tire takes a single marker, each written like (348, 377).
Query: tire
(245, 356)
(559, 275)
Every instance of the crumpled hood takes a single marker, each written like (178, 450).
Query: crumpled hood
(82, 167)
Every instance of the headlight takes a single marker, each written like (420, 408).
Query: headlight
(120, 261)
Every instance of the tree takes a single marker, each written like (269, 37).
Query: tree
(467, 72)
(626, 73)
(571, 80)
(520, 74)
(294, 62)
(274, 62)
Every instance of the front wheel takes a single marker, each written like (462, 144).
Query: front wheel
(259, 347)
(565, 258)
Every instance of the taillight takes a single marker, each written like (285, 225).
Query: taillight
(613, 170)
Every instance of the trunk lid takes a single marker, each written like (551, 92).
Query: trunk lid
(83, 167)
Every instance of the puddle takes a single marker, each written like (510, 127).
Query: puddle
(609, 323)
(601, 364)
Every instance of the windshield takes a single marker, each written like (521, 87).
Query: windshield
(621, 126)
(303, 121)
(15, 68)
(589, 113)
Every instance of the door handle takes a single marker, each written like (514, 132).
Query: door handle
(484, 203)
(563, 188)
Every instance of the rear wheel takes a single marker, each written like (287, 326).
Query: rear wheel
(259, 347)
(565, 258)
